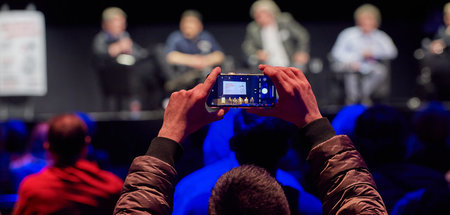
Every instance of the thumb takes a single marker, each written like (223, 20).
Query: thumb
(217, 115)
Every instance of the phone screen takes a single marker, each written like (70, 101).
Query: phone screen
(238, 90)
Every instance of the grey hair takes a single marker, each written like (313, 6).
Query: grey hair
(111, 12)
(447, 8)
(268, 5)
(368, 8)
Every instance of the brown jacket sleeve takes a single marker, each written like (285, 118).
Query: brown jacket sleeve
(150, 183)
(344, 183)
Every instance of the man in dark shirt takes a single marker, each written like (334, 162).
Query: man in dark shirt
(125, 68)
(192, 51)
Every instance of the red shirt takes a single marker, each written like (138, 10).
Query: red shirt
(80, 189)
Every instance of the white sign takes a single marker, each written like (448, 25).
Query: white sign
(23, 70)
(234, 88)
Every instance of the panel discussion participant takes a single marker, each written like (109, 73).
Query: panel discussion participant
(275, 38)
(438, 59)
(361, 53)
(191, 51)
(123, 66)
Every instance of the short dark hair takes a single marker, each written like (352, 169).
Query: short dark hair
(66, 136)
(380, 135)
(432, 124)
(261, 141)
(247, 189)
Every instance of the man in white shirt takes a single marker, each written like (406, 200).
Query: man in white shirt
(361, 52)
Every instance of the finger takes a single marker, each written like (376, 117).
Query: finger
(267, 70)
(278, 77)
(211, 79)
(262, 66)
(298, 72)
(289, 72)
(217, 115)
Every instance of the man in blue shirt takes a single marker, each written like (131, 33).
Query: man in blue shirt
(192, 51)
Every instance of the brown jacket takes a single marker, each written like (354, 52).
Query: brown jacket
(345, 185)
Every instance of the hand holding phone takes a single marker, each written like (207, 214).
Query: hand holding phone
(242, 90)
(297, 103)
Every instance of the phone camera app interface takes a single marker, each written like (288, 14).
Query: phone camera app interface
(244, 90)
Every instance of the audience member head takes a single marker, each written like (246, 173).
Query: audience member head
(89, 122)
(114, 21)
(67, 139)
(264, 12)
(191, 24)
(432, 125)
(15, 136)
(261, 141)
(423, 201)
(247, 189)
(380, 135)
(367, 17)
(38, 138)
(345, 120)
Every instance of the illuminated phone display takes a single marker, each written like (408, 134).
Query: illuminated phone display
(248, 90)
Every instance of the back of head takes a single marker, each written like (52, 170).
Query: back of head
(380, 135)
(67, 137)
(90, 123)
(15, 136)
(432, 125)
(261, 141)
(247, 189)
(423, 201)
(345, 120)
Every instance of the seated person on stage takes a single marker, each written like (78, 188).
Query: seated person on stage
(438, 58)
(344, 184)
(71, 185)
(191, 51)
(119, 61)
(252, 143)
(275, 38)
(361, 52)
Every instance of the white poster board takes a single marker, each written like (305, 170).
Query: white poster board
(23, 69)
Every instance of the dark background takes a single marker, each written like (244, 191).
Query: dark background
(71, 25)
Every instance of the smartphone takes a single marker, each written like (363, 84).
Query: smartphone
(242, 90)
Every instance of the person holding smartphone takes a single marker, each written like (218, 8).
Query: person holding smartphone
(344, 183)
